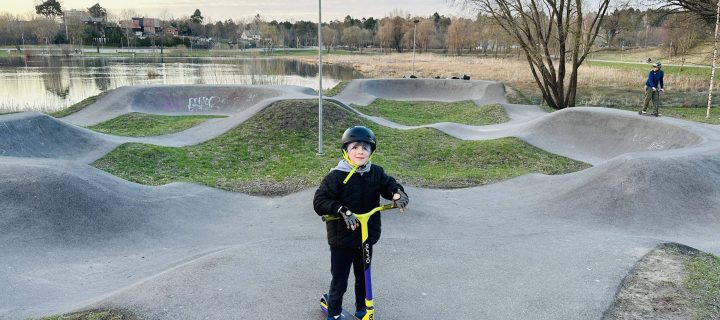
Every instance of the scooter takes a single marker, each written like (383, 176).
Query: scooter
(363, 218)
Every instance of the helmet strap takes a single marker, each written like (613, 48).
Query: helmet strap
(352, 164)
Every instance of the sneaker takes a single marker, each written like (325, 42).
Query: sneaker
(361, 313)
(656, 114)
(642, 112)
(333, 317)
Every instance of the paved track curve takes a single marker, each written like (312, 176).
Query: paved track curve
(533, 247)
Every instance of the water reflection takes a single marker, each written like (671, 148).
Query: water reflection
(55, 79)
(53, 83)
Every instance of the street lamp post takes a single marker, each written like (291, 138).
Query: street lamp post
(414, 37)
(320, 87)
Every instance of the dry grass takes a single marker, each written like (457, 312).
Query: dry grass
(609, 84)
(509, 70)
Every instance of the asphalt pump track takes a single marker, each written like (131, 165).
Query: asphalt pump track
(533, 247)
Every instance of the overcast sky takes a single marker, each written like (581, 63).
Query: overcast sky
(269, 9)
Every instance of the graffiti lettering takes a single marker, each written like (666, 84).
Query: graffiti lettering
(657, 145)
(204, 103)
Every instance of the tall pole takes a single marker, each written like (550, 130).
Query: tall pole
(712, 73)
(320, 87)
(415, 37)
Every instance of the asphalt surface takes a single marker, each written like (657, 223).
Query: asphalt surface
(533, 247)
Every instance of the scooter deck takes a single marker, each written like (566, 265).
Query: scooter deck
(343, 315)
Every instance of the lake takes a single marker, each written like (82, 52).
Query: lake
(45, 84)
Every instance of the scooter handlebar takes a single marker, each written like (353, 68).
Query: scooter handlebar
(387, 206)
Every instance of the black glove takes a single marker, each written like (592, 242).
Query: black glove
(403, 201)
(350, 220)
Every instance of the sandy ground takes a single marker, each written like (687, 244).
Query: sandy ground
(655, 289)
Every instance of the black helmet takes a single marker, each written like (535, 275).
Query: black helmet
(358, 133)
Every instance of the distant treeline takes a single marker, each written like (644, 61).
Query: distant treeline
(621, 29)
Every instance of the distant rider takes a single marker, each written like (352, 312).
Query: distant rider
(653, 86)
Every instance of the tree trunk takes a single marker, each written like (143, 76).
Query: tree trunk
(714, 61)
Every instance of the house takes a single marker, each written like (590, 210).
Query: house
(83, 17)
(171, 31)
(252, 35)
(141, 27)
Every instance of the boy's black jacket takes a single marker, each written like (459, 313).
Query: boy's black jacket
(360, 195)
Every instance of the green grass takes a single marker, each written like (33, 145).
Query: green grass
(687, 70)
(76, 107)
(92, 315)
(336, 89)
(703, 282)
(427, 112)
(142, 125)
(5, 54)
(274, 153)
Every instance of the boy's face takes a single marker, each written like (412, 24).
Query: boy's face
(358, 152)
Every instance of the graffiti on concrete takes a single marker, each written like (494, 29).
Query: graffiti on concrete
(205, 103)
(654, 145)
(657, 145)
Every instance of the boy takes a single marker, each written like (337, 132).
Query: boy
(653, 86)
(354, 185)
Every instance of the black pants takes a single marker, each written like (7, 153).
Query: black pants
(341, 259)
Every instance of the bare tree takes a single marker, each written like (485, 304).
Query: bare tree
(544, 27)
(703, 8)
(271, 37)
(426, 34)
(45, 29)
(686, 30)
(459, 36)
(330, 37)
(391, 32)
(353, 37)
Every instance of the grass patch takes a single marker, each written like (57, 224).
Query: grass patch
(274, 153)
(703, 282)
(142, 125)
(76, 107)
(427, 112)
(336, 89)
(93, 315)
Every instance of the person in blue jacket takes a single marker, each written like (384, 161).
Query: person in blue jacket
(653, 86)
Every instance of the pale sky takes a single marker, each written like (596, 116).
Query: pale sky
(269, 9)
